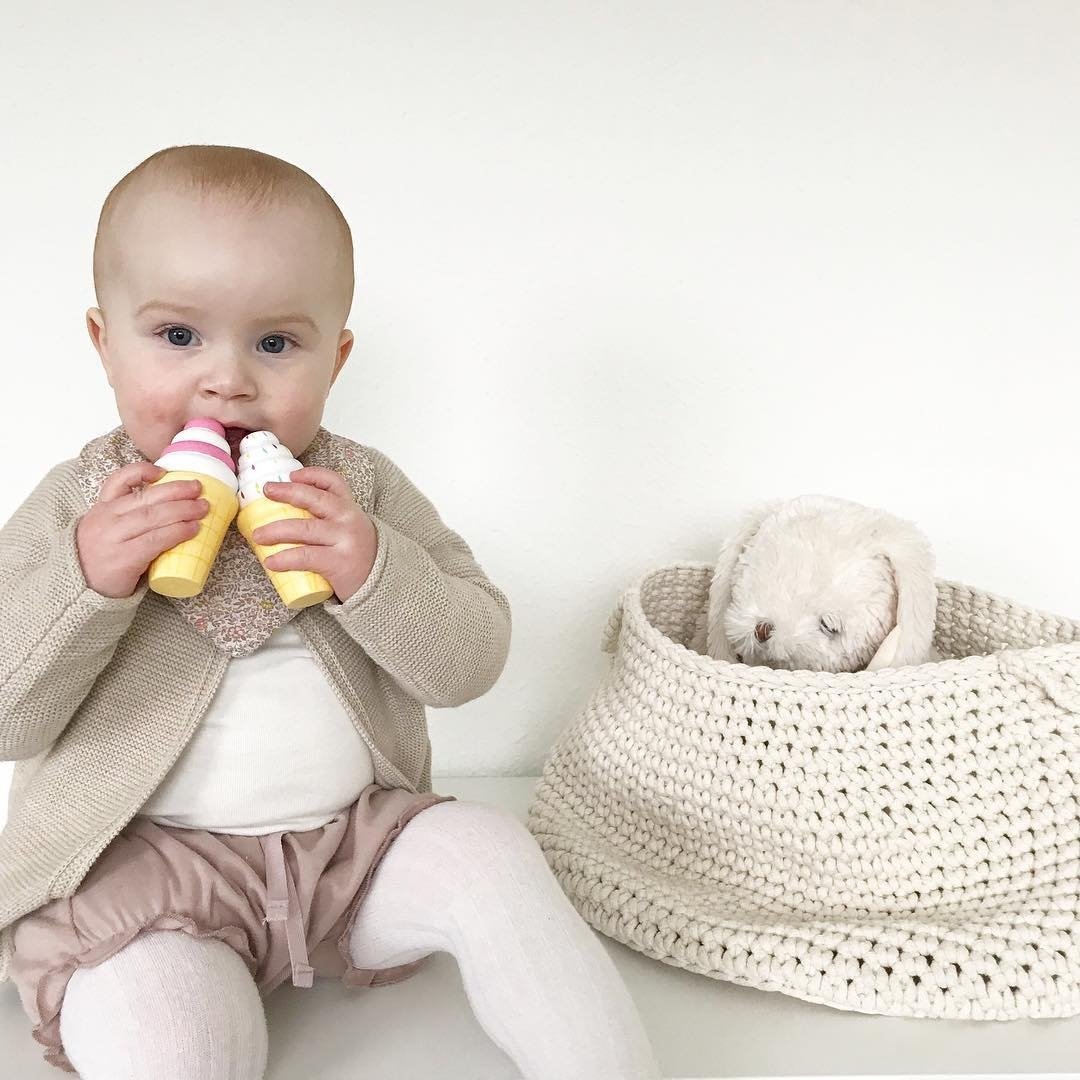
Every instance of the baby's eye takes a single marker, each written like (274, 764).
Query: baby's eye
(278, 340)
(175, 335)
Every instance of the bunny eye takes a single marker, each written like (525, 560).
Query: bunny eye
(830, 625)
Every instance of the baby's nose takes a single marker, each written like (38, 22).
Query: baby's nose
(763, 631)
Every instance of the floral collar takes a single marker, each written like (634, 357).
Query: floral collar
(239, 608)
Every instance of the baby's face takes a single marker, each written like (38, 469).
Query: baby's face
(221, 312)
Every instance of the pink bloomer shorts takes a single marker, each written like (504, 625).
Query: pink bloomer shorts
(271, 898)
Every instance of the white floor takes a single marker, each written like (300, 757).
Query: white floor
(701, 1028)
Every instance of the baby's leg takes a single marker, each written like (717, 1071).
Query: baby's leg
(470, 879)
(167, 1005)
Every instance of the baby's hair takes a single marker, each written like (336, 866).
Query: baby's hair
(249, 178)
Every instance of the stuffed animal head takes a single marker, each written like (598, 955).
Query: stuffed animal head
(821, 584)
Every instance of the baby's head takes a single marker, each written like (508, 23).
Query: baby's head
(223, 277)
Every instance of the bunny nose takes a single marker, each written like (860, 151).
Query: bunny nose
(763, 631)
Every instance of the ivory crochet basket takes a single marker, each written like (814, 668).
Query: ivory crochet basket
(903, 841)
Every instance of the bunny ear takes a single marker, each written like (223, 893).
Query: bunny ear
(911, 559)
(710, 633)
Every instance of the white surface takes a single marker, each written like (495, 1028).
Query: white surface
(701, 1028)
(622, 268)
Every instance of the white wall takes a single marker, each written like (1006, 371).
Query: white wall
(621, 270)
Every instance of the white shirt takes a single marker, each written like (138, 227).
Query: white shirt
(276, 750)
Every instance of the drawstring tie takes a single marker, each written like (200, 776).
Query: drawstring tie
(283, 905)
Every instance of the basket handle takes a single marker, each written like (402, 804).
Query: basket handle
(610, 636)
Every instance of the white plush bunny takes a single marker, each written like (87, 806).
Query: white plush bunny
(819, 583)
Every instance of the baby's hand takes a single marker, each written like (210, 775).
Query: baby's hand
(339, 542)
(130, 525)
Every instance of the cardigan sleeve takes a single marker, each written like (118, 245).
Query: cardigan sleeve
(56, 632)
(427, 613)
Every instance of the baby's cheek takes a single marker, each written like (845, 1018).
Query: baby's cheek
(153, 411)
(156, 406)
(296, 425)
(159, 410)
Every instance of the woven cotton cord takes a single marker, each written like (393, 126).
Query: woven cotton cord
(904, 841)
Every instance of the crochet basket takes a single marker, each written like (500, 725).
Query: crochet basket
(903, 841)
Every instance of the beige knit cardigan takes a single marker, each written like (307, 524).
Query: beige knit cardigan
(100, 695)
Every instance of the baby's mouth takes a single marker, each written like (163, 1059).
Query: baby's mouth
(233, 435)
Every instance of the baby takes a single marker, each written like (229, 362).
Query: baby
(216, 794)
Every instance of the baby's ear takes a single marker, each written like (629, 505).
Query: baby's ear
(911, 561)
(716, 640)
(95, 327)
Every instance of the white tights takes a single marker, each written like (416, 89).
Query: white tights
(463, 878)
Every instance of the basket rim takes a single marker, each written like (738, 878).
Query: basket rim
(932, 671)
